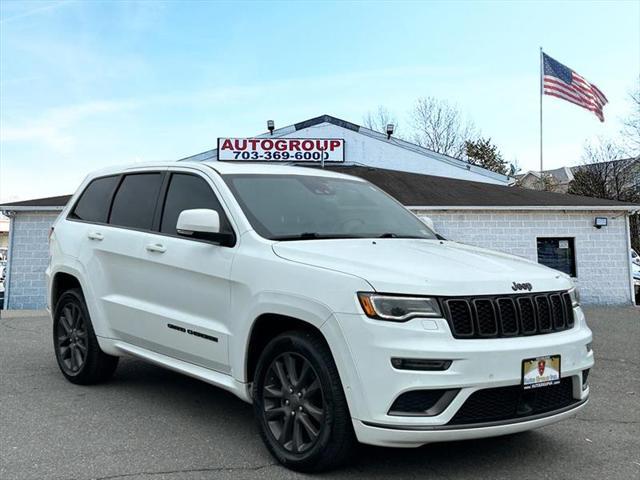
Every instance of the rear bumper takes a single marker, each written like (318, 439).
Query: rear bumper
(415, 436)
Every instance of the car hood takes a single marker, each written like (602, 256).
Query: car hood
(426, 267)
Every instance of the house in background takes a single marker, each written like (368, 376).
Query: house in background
(559, 179)
(556, 180)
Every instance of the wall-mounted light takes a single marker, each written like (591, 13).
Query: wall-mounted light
(390, 128)
(601, 222)
(270, 126)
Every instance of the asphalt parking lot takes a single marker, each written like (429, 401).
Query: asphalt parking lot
(150, 423)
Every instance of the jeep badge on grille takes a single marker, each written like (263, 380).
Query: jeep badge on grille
(521, 286)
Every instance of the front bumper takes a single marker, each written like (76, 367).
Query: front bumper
(415, 437)
(476, 364)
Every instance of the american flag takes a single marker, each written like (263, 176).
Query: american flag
(562, 82)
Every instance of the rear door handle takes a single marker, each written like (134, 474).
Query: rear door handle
(95, 236)
(156, 247)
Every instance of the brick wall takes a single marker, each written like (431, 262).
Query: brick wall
(29, 259)
(601, 255)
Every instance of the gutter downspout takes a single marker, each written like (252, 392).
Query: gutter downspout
(7, 278)
(629, 263)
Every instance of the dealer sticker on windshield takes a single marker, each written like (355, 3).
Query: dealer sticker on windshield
(541, 372)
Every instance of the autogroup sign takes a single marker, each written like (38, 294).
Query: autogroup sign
(281, 149)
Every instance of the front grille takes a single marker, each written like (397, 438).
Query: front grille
(509, 315)
(506, 403)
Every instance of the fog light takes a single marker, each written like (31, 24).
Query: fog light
(588, 345)
(420, 364)
(585, 377)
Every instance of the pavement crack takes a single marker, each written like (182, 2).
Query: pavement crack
(186, 470)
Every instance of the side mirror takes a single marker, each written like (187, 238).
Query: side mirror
(203, 224)
(429, 223)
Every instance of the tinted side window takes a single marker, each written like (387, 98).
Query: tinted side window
(135, 201)
(93, 205)
(186, 192)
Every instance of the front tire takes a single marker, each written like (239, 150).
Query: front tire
(299, 403)
(76, 347)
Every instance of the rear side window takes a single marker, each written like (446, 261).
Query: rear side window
(135, 201)
(93, 205)
(184, 193)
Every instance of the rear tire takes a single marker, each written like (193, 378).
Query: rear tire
(75, 344)
(299, 404)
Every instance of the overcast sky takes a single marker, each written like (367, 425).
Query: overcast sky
(88, 84)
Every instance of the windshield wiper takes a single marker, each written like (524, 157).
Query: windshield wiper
(395, 235)
(312, 236)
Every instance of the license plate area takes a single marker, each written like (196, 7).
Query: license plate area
(539, 372)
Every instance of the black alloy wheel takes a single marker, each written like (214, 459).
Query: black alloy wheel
(72, 338)
(293, 402)
(76, 347)
(299, 403)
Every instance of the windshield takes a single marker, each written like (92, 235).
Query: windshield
(299, 207)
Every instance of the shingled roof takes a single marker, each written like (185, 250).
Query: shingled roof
(417, 190)
(428, 191)
(48, 203)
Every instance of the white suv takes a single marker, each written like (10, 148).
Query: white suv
(318, 298)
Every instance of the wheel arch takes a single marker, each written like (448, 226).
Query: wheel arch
(60, 283)
(268, 325)
(265, 328)
(70, 275)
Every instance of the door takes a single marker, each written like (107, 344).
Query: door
(187, 292)
(115, 266)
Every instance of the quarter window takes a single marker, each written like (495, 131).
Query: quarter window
(93, 205)
(186, 192)
(135, 201)
(558, 253)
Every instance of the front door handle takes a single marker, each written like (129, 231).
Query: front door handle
(156, 247)
(95, 236)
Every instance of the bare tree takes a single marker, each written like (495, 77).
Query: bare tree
(606, 174)
(379, 119)
(631, 125)
(439, 126)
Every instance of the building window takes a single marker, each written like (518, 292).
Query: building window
(558, 253)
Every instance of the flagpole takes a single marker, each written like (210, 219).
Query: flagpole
(541, 93)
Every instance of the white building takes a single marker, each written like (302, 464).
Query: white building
(368, 147)
(467, 204)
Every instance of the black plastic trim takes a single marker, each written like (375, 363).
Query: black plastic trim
(425, 428)
(440, 406)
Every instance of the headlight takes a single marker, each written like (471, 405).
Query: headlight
(398, 308)
(575, 296)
